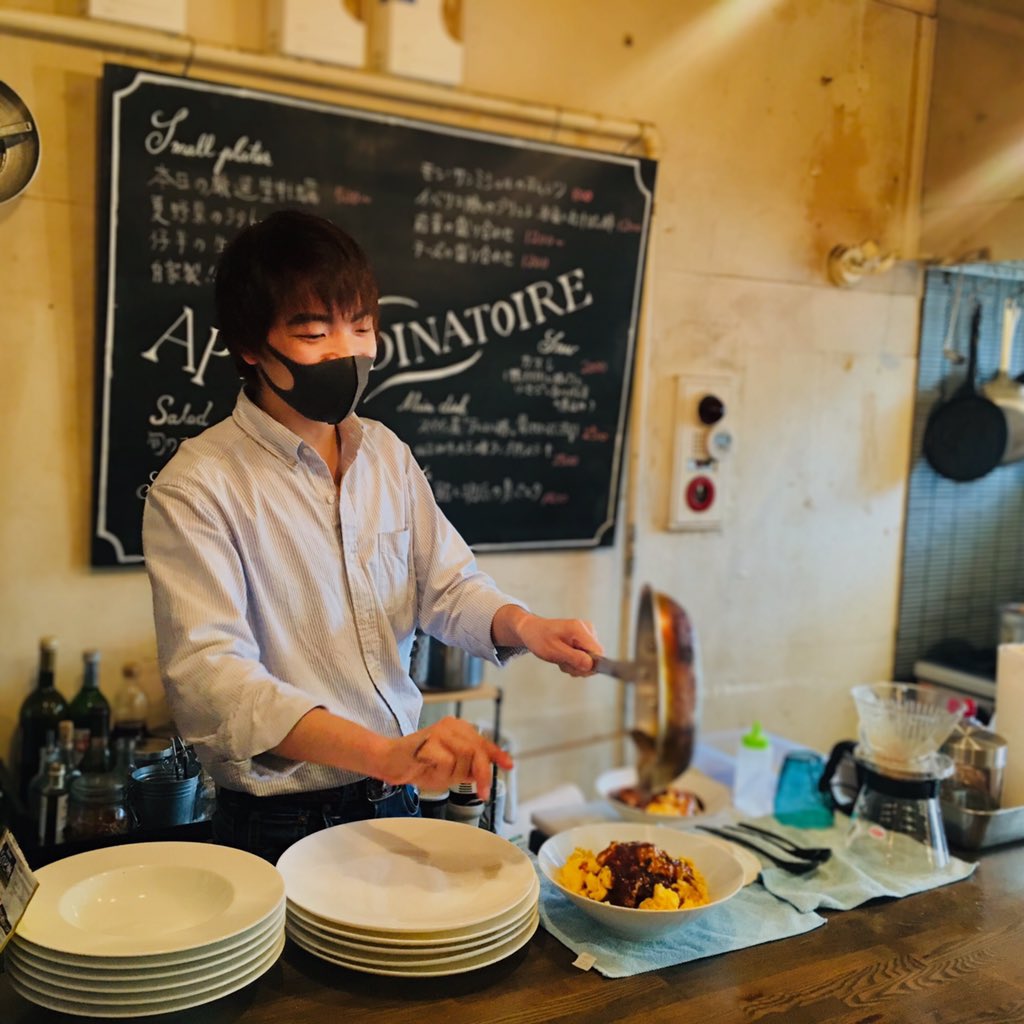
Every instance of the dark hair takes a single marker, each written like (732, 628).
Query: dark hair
(283, 260)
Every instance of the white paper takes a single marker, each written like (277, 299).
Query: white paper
(1010, 717)
(17, 884)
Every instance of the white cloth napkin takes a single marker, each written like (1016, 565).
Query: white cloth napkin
(750, 918)
(849, 879)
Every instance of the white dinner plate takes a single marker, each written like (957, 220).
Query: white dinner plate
(143, 899)
(86, 988)
(473, 963)
(196, 998)
(92, 966)
(406, 875)
(411, 939)
(414, 957)
(715, 796)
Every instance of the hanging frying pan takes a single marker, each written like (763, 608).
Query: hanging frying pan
(666, 673)
(966, 435)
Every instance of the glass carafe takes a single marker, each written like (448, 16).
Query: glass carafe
(897, 821)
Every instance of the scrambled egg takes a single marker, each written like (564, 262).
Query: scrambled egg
(673, 802)
(662, 899)
(585, 874)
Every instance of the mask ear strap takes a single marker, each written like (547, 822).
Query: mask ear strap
(276, 388)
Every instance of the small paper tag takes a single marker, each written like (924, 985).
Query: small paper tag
(17, 886)
(585, 961)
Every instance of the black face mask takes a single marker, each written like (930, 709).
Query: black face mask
(326, 391)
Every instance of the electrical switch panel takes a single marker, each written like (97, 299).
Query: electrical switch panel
(703, 452)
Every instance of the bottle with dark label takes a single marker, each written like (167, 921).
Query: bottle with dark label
(53, 806)
(41, 711)
(48, 754)
(89, 708)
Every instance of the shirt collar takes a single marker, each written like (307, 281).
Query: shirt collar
(278, 439)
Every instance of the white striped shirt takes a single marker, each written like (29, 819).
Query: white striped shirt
(275, 592)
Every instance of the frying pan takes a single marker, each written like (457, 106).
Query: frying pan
(665, 672)
(966, 435)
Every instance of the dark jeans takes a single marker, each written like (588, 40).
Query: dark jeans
(268, 825)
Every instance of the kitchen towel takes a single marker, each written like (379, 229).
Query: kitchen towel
(750, 918)
(1009, 720)
(845, 880)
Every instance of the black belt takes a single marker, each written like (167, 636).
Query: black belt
(372, 790)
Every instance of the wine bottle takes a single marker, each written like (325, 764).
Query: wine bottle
(40, 712)
(89, 709)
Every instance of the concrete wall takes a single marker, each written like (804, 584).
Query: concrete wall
(786, 127)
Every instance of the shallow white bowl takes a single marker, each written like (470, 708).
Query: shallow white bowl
(43, 995)
(721, 870)
(144, 901)
(715, 796)
(406, 875)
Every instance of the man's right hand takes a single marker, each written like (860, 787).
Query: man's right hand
(441, 755)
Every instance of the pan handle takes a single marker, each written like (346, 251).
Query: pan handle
(627, 671)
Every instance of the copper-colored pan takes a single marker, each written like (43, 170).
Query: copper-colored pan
(665, 671)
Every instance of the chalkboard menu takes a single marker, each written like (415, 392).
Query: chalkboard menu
(510, 274)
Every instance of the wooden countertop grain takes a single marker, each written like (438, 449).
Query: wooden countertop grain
(953, 955)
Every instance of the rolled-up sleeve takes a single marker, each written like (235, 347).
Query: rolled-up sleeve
(222, 698)
(457, 600)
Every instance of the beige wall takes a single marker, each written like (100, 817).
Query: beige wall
(785, 127)
(973, 198)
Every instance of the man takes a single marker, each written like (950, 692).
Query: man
(293, 549)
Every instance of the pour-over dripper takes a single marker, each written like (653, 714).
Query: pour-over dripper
(902, 723)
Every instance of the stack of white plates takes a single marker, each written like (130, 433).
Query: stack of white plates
(412, 897)
(147, 928)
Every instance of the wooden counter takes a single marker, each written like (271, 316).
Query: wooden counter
(952, 955)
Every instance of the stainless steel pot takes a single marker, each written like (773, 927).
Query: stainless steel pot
(665, 672)
(436, 666)
(979, 759)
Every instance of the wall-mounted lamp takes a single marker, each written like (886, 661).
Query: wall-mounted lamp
(847, 264)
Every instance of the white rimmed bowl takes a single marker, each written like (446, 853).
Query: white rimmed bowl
(721, 870)
(148, 902)
(715, 797)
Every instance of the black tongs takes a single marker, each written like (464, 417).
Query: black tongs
(798, 860)
(819, 854)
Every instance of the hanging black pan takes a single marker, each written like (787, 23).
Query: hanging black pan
(966, 435)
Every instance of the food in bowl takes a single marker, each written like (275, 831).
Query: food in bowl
(637, 875)
(680, 803)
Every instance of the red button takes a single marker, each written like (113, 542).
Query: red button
(700, 493)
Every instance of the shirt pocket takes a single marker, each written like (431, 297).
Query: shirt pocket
(392, 575)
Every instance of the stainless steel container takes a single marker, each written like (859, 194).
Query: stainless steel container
(436, 666)
(979, 759)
